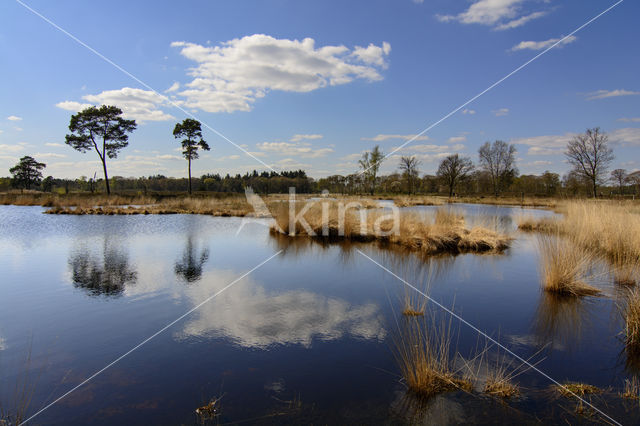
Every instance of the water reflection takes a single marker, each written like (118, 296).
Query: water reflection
(560, 320)
(189, 268)
(106, 273)
(252, 317)
(438, 410)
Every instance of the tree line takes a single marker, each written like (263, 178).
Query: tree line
(104, 130)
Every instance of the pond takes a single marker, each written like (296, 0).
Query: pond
(306, 337)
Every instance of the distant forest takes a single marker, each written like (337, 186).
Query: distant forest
(477, 183)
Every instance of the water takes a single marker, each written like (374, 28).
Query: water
(305, 338)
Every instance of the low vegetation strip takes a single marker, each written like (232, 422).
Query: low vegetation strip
(446, 232)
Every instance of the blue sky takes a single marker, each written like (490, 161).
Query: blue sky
(309, 84)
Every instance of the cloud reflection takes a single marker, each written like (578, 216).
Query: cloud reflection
(252, 317)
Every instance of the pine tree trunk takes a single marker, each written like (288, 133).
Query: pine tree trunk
(189, 176)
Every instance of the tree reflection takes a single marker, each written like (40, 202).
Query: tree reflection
(189, 268)
(107, 274)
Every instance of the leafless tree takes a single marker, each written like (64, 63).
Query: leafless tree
(620, 177)
(498, 160)
(454, 169)
(590, 155)
(409, 167)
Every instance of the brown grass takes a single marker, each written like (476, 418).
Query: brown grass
(571, 389)
(423, 353)
(408, 201)
(508, 201)
(565, 267)
(631, 388)
(631, 314)
(605, 228)
(446, 234)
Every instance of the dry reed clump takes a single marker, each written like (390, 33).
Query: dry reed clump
(565, 266)
(631, 388)
(423, 353)
(631, 313)
(446, 235)
(417, 201)
(571, 389)
(606, 228)
(529, 224)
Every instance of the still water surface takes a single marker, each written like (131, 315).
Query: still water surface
(314, 325)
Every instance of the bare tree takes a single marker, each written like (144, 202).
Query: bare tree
(620, 177)
(370, 164)
(454, 169)
(498, 160)
(410, 172)
(634, 179)
(590, 155)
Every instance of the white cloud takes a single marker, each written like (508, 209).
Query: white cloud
(175, 86)
(545, 145)
(468, 111)
(48, 155)
(3, 344)
(5, 148)
(383, 137)
(430, 148)
(539, 45)
(298, 138)
(520, 21)
(626, 136)
(503, 14)
(73, 106)
(54, 144)
(290, 163)
(231, 76)
(455, 139)
(630, 120)
(500, 112)
(14, 118)
(602, 94)
(140, 105)
(301, 149)
(373, 54)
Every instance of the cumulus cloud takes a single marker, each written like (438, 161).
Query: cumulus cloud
(385, 137)
(602, 94)
(231, 76)
(500, 112)
(14, 118)
(6, 148)
(140, 105)
(503, 14)
(174, 87)
(539, 45)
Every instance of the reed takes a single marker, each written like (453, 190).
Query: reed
(564, 267)
(631, 314)
(571, 389)
(631, 388)
(409, 201)
(423, 353)
(446, 234)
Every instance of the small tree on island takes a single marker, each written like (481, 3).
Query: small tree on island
(453, 169)
(590, 155)
(103, 129)
(27, 172)
(191, 131)
(370, 164)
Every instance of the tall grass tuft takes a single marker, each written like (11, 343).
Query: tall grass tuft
(423, 353)
(631, 313)
(565, 266)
